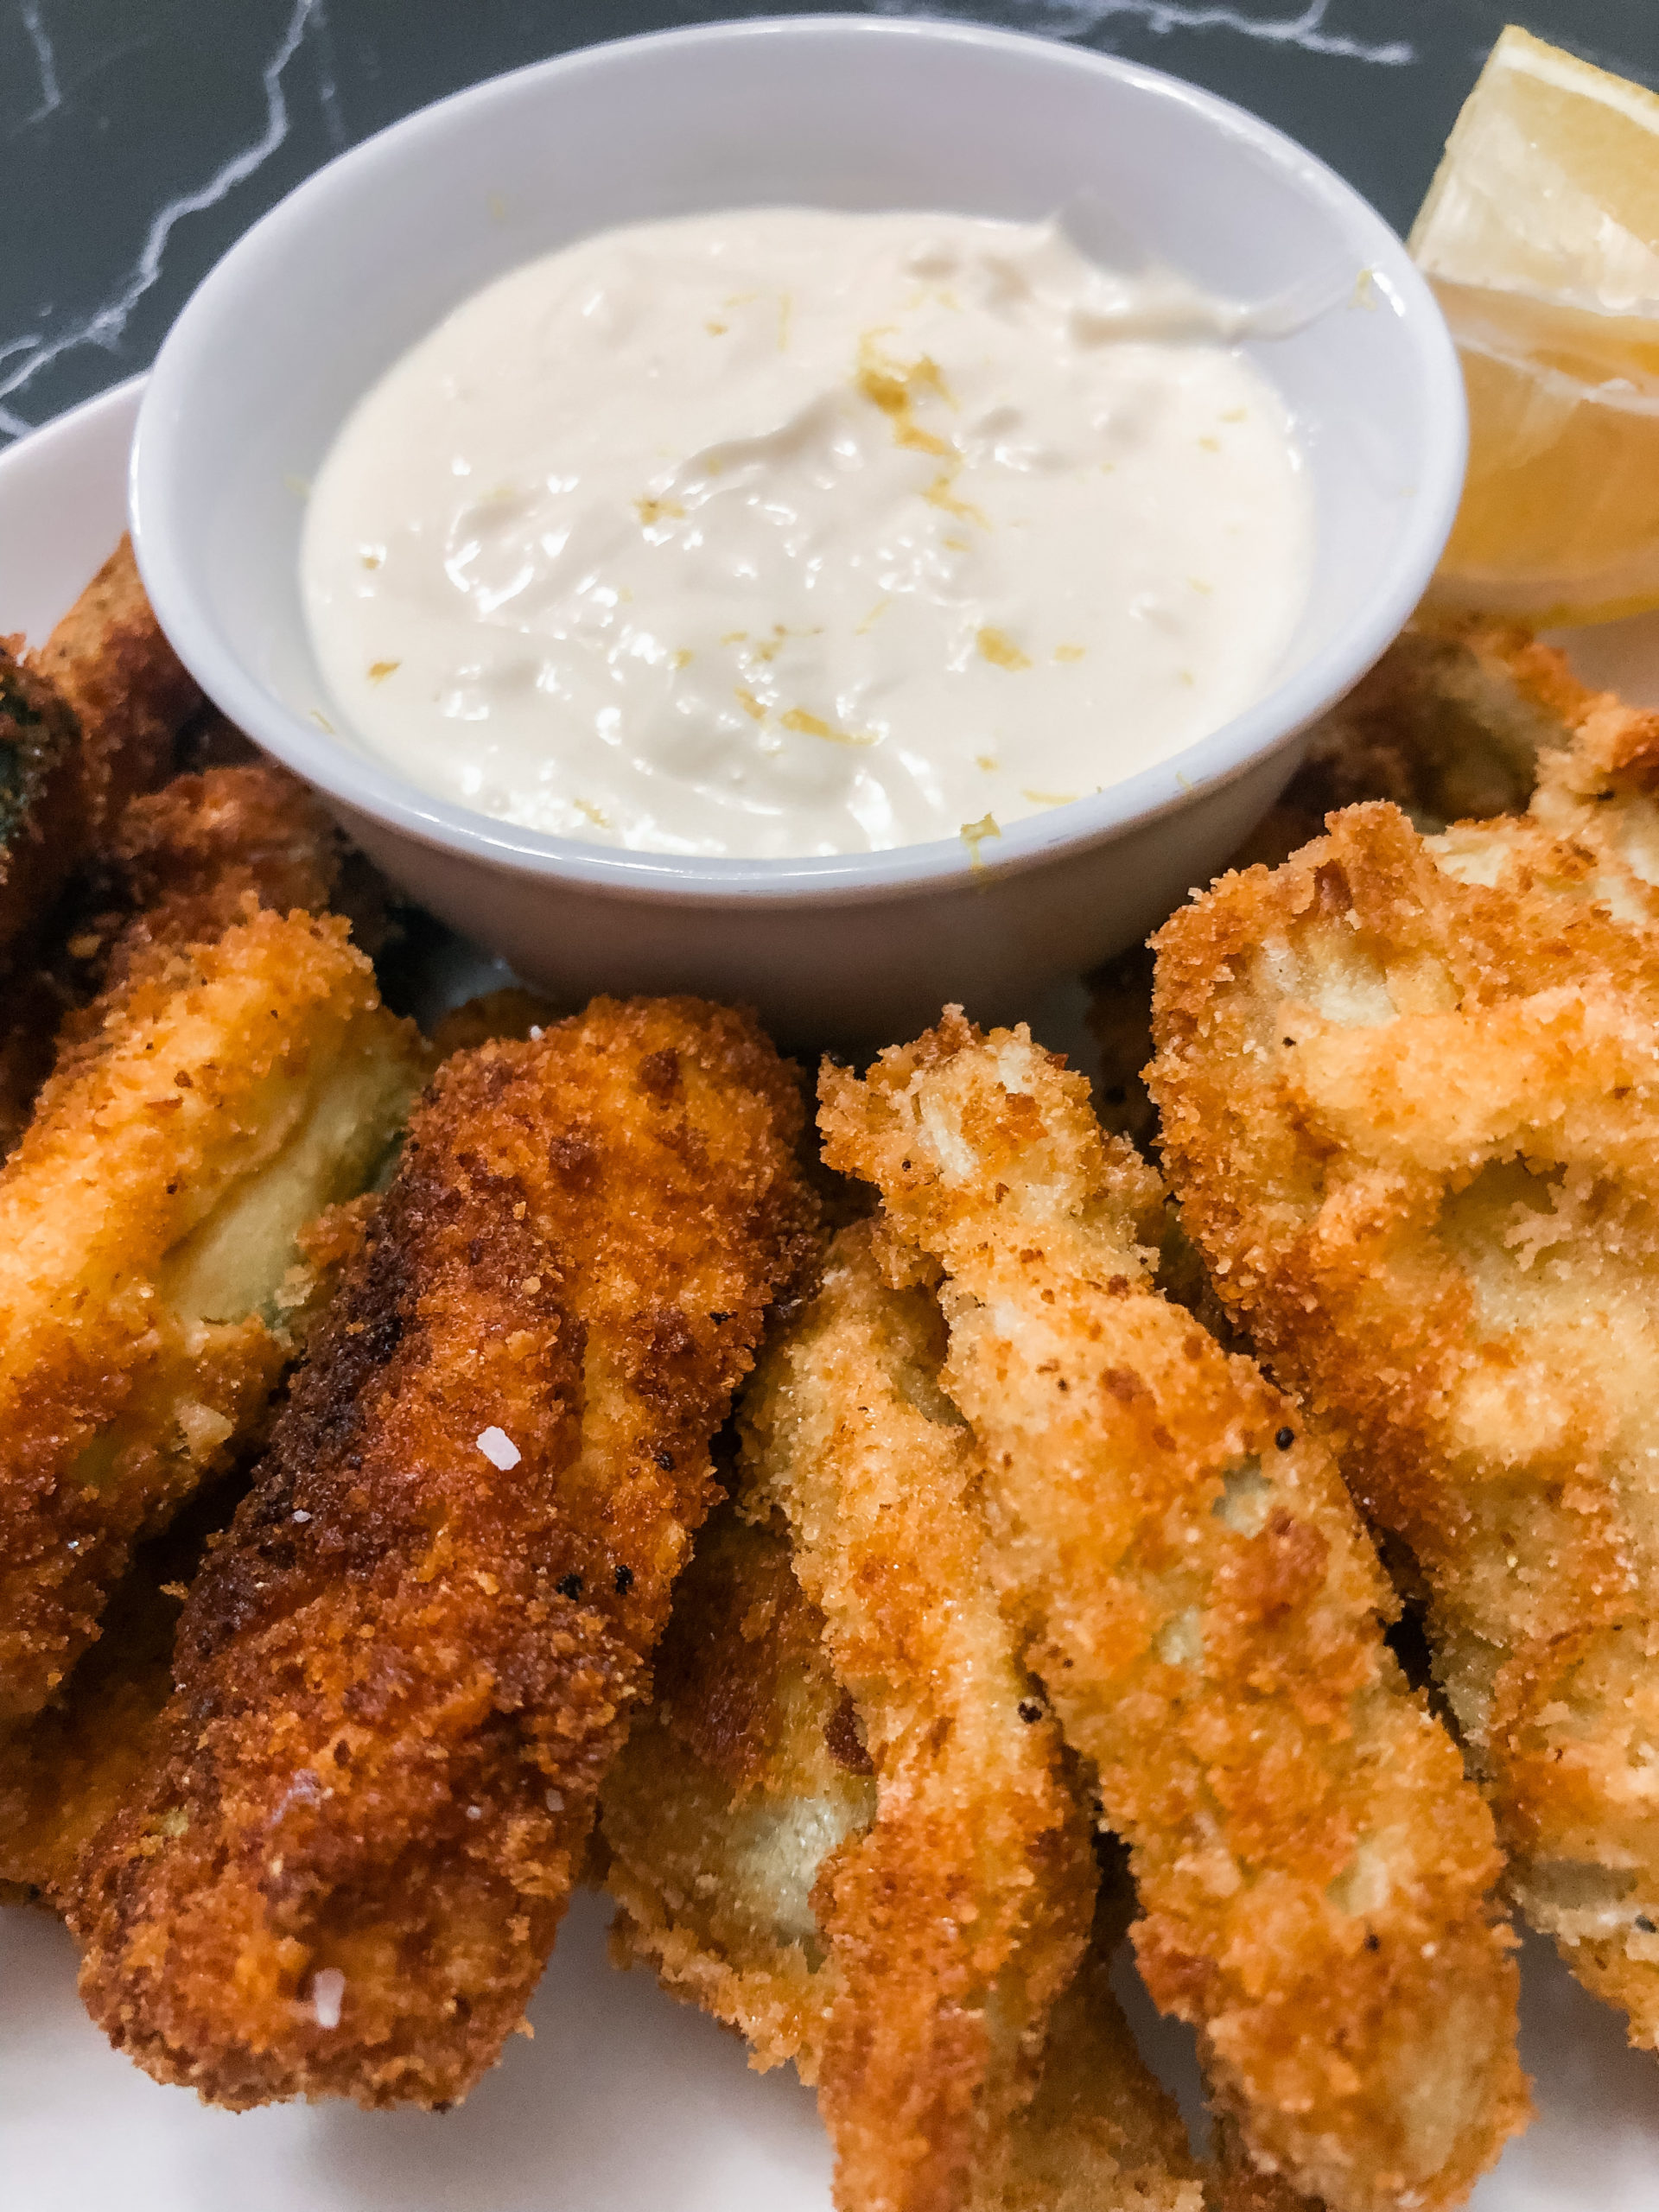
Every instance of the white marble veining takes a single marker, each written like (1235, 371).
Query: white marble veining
(45, 61)
(1070, 19)
(105, 324)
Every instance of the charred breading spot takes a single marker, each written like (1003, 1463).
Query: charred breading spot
(954, 1921)
(1415, 1133)
(152, 1283)
(1207, 1618)
(464, 1465)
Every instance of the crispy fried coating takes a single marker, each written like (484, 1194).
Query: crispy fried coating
(1455, 721)
(1205, 1613)
(39, 742)
(512, 1011)
(1101, 2134)
(402, 1675)
(1411, 1101)
(66, 1771)
(63, 1773)
(36, 1004)
(955, 1920)
(150, 1279)
(125, 686)
(745, 1776)
(181, 864)
(725, 1816)
(85, 724)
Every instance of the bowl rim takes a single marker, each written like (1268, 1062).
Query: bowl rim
(371, 788)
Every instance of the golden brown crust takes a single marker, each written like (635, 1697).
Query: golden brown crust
(1205, 1614)
(130, 1361)
(1454, 723)
(181, 864)
(1456, 720)
(955, 1920)
(126, 688)
(511, 1012)
(1101, 2134)
(1411, 1101)
(63, 1773)
(85, 724)
(39, 827)
(745, 1779)
(744, 1776)
(404, 1675)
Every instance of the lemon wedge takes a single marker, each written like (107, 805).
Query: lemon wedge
(1541, 236)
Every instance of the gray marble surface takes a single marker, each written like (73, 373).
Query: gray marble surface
(139, 137)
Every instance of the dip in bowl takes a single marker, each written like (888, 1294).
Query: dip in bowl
(359, 265)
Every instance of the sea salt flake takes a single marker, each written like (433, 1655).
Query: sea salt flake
(328, 1992)
(499, 1449)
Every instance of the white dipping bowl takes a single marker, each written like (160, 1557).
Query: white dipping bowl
(321, 297)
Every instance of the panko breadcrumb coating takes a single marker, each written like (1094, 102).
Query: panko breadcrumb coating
(128, 690)
(1411, 1102)
(1205, 1613)
(402, 1677)
(1455, 722)
(745, 1775)
(65, 1771)
(151, 1281)
(957, 1917)
(85, 723)
(724, 1817)
(181, 865)
(39, 846)
(1458, 719)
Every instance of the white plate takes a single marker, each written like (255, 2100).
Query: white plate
(624, 2102)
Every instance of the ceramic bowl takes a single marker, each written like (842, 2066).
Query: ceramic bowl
(323, 296)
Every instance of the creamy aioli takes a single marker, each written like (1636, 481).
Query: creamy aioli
(781, 531)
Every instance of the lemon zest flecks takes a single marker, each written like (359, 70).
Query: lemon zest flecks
(1070, 652)
(380, 669)
(997, 647)
(940, 493)
(1049, 798)
(652, 512)
(894, 386)
(814, 725)
(750, 704)
(973, 833)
